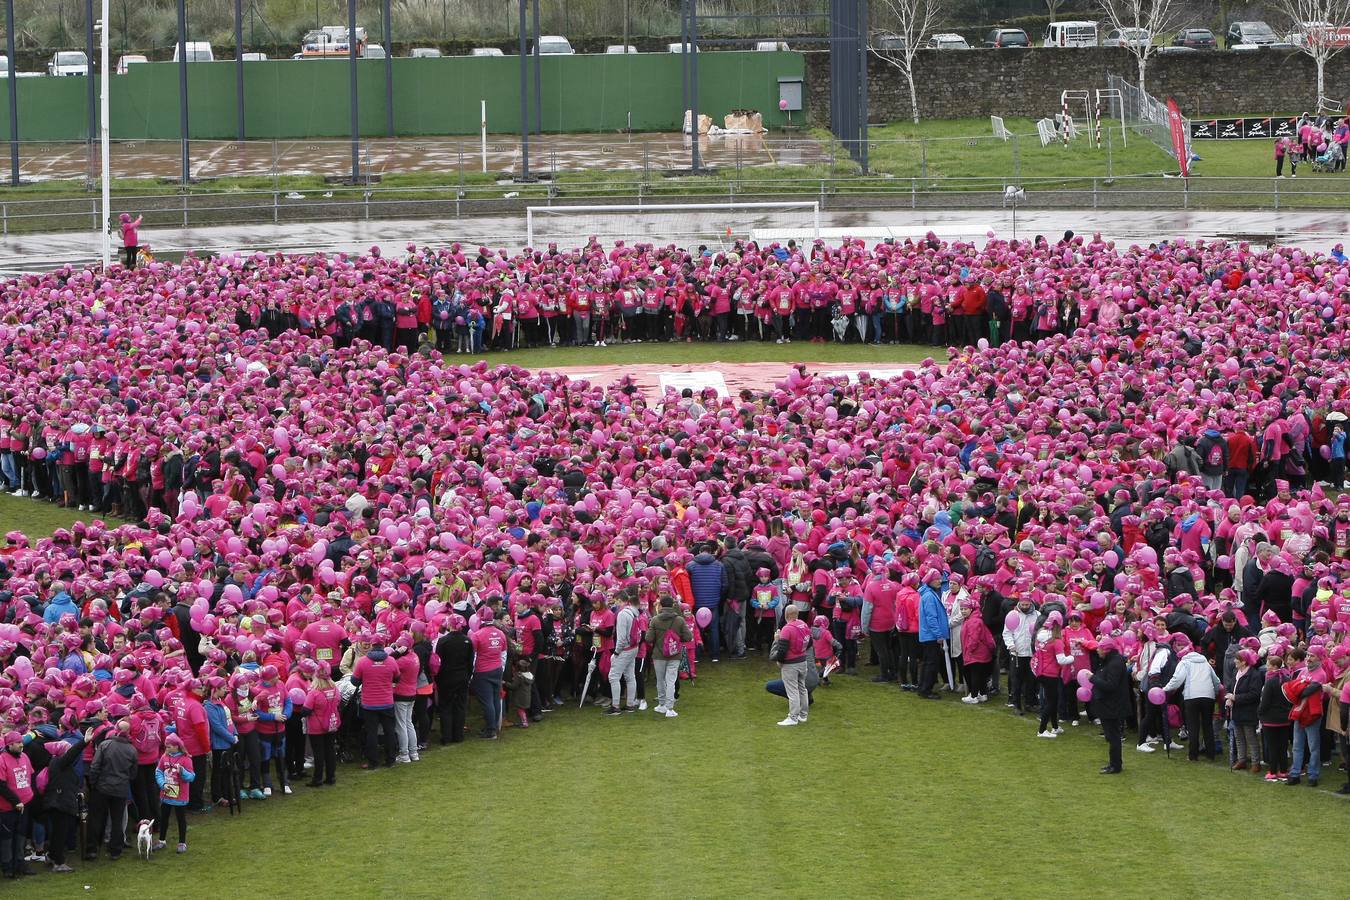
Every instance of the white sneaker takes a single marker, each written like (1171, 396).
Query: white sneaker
(801, 720)
(672, 714)
(414, 757)
(1059, 729)
(1074, 723)
(661, 709)
(1045, 734)
(969, 700)
(788, 721)
(642, 704)
(1144, 748)
(401, 758)
(1175, 746)
(286, 789)
(983, 698)
(267, 792)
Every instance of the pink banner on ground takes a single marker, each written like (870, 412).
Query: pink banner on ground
(725, 378)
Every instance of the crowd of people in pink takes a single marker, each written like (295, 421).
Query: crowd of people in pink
(1116, 502)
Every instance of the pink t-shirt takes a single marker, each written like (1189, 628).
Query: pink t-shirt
(489, 644)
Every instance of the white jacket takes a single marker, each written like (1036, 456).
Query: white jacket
(1195, 676)
(1019, 642)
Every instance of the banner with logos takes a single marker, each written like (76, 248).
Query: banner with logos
(1179, 137)
(1242, 129)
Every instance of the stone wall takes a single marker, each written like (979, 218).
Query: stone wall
(953, 84)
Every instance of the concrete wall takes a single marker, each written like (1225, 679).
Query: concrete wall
(309, 98)
(1028, 82)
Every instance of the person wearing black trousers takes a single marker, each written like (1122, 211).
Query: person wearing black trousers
(1111, 700)
(452, 681)
(1273, 711)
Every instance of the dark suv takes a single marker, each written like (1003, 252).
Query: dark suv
(1003, 38)
(1195, 39)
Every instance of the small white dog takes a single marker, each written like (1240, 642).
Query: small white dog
(145, 841)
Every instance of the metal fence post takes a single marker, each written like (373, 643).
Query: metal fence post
(4, 216)
(185, 209)
(1185, 193)
(913, 194)
(276, 207)
(1017, 159)
(923, 158)
(1094, 193)
(1109, 174)
(1276, 182)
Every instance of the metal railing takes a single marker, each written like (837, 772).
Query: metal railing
(451, 200)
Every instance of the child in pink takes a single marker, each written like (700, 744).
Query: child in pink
(173, 775)
(825, 646)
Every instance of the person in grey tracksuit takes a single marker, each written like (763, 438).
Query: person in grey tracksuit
(623, 665)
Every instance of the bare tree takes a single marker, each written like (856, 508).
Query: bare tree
(1319, 29)
(903, 28)
(1153, 17)
(1052, 6)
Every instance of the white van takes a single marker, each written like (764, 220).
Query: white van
(197, 51)
(554, 45)
(1071, 34)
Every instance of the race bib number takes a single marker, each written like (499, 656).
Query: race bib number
(325, 653)
(21, 779)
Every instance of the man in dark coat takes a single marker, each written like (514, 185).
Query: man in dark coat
(452, 681)
(1111, 699)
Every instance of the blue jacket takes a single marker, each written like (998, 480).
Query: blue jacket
(708, 579)
(61, 604)
(223, 735)
(932, 615)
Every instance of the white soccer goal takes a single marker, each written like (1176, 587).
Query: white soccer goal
(714, 224)
(1000, 130)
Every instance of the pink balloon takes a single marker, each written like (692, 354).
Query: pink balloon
(703, 616)
(1157, 696)
(233, 594)
(328, 577)
(319, 552)
(154, 578)
(1013, 621)
(1084, 677)
(1085, 694)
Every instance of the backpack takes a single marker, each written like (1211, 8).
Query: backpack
(1215, 456)
(986, 562)
(635, 633)
(671, 645)
(1168, 670)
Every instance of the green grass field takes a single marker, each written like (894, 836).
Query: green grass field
(706, 354)
(38, 519)
(879, 795)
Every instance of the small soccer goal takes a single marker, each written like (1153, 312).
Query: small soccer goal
(710, 224)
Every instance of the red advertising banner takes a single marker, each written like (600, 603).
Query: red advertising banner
(1178, 136)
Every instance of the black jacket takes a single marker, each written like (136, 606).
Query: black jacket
(1111, 688)
(63, 781)
(1274, 706)
(1247, 696)
(739, 575)
(759, 559)
(114, 766)
(1276, 592)
(456, 653)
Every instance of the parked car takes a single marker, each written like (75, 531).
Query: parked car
(255, 57)
(947, 41)
(197, 51)
(893, 43)
(68, 62)
(675, 47)
(1071, 34)
(1195, 39)
(554, 45)
(486, 51)
(1006, 38)
(424, 53)
(1250, 36)
(620, 48)
(373, 51)
(4, 66)
(771, 46)
(1127, 37)
(127, 60)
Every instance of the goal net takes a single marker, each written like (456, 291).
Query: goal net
(1143, 115)
(714, 225)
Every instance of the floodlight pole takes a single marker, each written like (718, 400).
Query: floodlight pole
(105, 165)
(353, 91)
(694, 162)
(524, 101)
(183, 91)
(12, 85)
